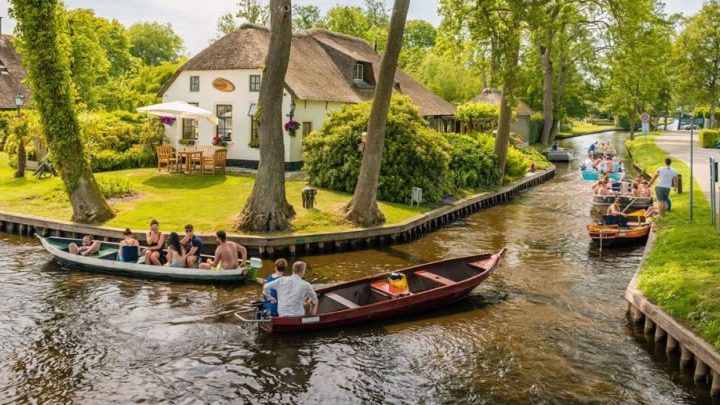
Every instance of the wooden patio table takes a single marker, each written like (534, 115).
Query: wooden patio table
(188, 154)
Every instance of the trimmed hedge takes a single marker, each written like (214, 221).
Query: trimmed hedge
(709, 138)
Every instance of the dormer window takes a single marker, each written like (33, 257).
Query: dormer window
(359, 71)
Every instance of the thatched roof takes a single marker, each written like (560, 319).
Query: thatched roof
(12, 75)
(321, 66)
(493, 96)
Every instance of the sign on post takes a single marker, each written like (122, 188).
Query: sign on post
(645, 118)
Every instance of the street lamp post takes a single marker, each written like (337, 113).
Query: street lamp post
(692, 161)
(19, 101)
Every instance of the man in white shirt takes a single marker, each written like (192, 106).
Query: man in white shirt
(292, 293)
(667, 178)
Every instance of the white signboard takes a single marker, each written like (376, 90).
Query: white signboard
(645, 127)
(645, 117)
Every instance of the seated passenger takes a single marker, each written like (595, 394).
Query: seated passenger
(155, 240)
(293, 292)
(614, 208)
(126, 253)
(89, 246)
(192, 244)
(555, 147)
(227, 254)
(280, 266)
(176, 255)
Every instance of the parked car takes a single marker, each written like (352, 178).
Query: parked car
(690, 126)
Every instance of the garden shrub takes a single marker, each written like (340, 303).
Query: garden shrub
(115, 187)
(414, 155)
(537, 121)
(136, 156)
(473, 163)
(481, 117)
(566, 125)
(709, 138)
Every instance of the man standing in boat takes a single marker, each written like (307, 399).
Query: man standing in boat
(667, 178)
(292, 293)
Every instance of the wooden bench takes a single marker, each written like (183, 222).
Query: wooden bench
(434, 277)
(341, 300)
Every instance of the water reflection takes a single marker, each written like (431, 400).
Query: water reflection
(547, 327)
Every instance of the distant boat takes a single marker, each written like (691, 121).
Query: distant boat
(593, 175)
(560, 155)
(105, 261)
(429, 285)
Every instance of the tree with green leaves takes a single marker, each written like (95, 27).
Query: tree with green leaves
(253, 12)
(306, 17)
(363, 209)
(697, 57)
(40, 24)
(267, 208)
(155, 43)
(418, 41)
(348, 20)
(18, 138)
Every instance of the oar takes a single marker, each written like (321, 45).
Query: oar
(630, 205)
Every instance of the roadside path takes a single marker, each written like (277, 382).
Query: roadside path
(678, 145)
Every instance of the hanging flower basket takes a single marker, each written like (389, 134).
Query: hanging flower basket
(291, 127)
(167, 120)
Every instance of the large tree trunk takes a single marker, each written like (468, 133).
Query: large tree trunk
(713, 103)
(267, 209)
(39, 24)
(502, 140)
(547, 94)
(21, 159)
(362, 209)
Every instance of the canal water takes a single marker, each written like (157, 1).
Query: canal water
(548, 327)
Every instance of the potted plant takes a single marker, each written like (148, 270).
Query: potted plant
(219, 141)
(291, 127)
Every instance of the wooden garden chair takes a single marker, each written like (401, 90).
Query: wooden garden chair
(215, 162)
(166, 157)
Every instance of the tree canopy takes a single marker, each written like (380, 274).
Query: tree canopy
(155, 43)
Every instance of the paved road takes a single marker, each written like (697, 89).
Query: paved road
(678, 144)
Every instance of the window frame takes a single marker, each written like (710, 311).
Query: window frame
(194, 84)
(226, 132)
(254, 86)
(189, 123)
(359, 68)
(307, 127)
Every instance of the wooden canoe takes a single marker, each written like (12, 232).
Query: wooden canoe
(370, 299)
(560, 155)
(105, 261)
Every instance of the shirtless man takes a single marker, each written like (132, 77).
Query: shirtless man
(89, 246)
(614, 208)
(227, 254)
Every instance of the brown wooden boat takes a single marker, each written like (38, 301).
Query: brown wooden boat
(429, 285)
(617, 230)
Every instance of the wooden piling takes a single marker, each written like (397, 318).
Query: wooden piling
(659, 333)
(686, 356)
(715, 388)
(649, 326)
(670, 345)
(701, 370)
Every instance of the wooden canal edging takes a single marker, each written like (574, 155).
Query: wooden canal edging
(694, 351)
(28, 225)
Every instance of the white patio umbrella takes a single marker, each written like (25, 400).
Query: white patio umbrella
(179, 109)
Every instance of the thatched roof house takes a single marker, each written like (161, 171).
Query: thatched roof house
(12, 75)
(493, 96)
(322, 67)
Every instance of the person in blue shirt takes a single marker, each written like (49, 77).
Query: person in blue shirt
(192, 245)
(593, 148)
(280, 267)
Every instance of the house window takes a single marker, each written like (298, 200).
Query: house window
(359, 71)
(190, 127)
(306, 128)
(254, 137)
(254, 82)
(194, 83)
(224, 115)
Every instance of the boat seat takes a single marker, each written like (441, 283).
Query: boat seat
(341, 300)
(434, 277)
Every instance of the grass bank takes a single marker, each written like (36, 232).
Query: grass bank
(209, 202)
(581, 128)
(682, 272)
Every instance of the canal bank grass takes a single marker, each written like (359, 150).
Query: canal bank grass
(581, 128)
(209, 202)
(682, 272)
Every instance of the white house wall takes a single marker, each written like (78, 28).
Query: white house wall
(241, 98)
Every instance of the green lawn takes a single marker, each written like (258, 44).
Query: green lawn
(581, 128)
(210, 202)
(682, 273)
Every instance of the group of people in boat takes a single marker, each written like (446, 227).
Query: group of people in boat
(289, 295)
(638, 188)
(172, 251)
